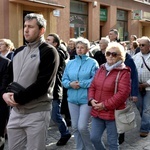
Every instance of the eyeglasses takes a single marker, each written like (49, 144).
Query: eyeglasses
(113, 54)
(142, 45)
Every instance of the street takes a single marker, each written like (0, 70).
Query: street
(132, 139)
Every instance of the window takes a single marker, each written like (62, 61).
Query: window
(122, 24)
(78, 19)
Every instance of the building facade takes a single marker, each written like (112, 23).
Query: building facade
(72, 18)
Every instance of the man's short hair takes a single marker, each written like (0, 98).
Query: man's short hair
(115, 31)
(56, 38)
(41, 22)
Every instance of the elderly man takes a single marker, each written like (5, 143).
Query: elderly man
(100, 55)
(142, 61)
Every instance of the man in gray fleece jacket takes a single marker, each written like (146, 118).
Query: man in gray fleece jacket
(33, 71)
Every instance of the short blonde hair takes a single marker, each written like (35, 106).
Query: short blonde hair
(8, 43)
(119, 49)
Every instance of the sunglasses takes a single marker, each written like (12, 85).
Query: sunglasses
(113, 54)
(142, 45)
(2, 43)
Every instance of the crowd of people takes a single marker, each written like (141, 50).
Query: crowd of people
(48, 77)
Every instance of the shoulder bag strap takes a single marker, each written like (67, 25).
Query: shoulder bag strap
(116, 82)
(145, 64)
(115, 91)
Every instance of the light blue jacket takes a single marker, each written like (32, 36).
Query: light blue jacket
(81, 69)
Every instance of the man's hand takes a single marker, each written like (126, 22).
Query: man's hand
(133, 98)
(143, 85)
(9, 99)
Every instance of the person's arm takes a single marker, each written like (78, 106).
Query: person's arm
(134, 80)
(65, 78)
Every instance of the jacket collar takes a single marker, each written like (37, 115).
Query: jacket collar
(37, 43)
(83, 57)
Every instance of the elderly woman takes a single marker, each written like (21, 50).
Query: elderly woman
(77, 78)
(104, 101)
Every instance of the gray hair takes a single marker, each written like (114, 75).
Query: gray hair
(72, 40)
(83, 41)
(41, 22)
(115, 31)
(106, 40)
(146, 39)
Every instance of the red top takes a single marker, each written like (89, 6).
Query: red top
(102, 89)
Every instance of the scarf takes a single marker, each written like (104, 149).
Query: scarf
(109, 68)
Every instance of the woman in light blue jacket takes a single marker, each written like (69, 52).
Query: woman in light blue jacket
(77, 78)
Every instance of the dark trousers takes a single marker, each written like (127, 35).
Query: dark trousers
(4, 115)
(64, 105)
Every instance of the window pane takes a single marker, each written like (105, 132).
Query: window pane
(78, 26)
(78, 7)
(122, 24)
(122, 15)
(122, 29)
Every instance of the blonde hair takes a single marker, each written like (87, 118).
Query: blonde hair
(8, 43)
(119, 49)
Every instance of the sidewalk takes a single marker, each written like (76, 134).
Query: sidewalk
(132, 139)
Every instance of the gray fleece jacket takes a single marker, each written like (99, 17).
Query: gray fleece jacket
(34, 68)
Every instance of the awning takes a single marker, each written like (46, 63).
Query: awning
(145, 22)
(38, 3)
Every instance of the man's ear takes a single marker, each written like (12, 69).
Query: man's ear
(42, 31)
(55, 44)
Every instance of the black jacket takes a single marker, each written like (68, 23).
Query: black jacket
(100, 57)
(4, 62)
(58, 88)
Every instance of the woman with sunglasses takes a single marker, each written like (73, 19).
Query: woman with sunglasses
(103, 99)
